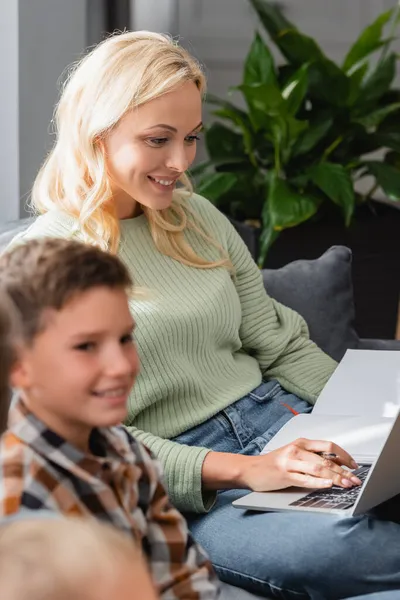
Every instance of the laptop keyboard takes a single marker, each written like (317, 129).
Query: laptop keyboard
(335, 497)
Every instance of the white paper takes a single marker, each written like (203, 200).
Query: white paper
(362, 437)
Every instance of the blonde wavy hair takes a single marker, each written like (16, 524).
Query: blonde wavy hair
(123, 72)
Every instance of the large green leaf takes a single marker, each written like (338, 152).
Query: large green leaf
(356, 78)
(295, 46)
(389, 140)
(268, 234)
(259, 66)
(368, 41)
(387, 176)
(313, 135)
(238, 117)
(271, 17)
(295, 89)
(327, 82)
(336, 183)
(263, 100)
(288, 208)
(293, 129)
(215, 185)
(245, 127)
(379, 80)
(223, 144)
(374, 118)
(298, 48)
(226, 105)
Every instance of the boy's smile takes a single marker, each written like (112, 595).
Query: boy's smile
(78, 371)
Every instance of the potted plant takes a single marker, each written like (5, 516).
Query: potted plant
(294, 158)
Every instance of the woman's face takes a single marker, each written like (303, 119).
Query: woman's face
(151, 147)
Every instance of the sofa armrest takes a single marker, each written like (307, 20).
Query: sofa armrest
(365, 344)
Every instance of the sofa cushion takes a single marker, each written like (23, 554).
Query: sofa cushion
(321, 291)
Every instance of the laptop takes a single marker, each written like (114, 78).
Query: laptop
(380, 481)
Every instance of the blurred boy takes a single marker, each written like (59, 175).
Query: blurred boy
(63, 450)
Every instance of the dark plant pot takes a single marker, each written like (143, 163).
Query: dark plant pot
(374, 238)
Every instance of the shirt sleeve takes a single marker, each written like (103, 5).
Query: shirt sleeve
(178, 564)
(274, 334)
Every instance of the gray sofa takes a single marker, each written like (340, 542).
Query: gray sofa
(320, 290)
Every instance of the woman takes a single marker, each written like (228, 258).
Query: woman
(223, 365)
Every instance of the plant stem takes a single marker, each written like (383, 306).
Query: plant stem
(277, 160)
(332, 147)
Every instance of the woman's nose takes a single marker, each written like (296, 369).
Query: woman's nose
(179, 160)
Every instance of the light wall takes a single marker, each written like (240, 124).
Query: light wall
(38, 39)
(155, 15)
(52, 34)
(9, 160)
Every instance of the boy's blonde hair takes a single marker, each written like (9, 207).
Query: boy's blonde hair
(121, 73)
(68, 559)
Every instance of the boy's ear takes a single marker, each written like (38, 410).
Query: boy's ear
(20, 373)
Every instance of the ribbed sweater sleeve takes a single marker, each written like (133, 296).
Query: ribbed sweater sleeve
(182, 471)
(274, 334)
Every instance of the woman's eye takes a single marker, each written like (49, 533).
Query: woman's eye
(85, 347)
(158, 141)
(127, 339)
(191, 139)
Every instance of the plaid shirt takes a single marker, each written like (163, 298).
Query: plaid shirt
(119, 483)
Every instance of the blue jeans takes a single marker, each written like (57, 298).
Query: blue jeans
(287, 555)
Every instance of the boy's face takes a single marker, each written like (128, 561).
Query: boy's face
(78, 372)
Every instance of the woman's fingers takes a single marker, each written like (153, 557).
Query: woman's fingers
(323, 465)
(323, 469)
(308, 481)
(316, 446)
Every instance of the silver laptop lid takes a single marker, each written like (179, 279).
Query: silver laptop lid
(383, 480)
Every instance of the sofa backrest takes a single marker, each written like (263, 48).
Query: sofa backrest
(321, 290)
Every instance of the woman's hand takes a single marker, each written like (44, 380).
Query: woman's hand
(299, 464)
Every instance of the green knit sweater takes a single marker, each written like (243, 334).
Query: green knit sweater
(205, 339)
